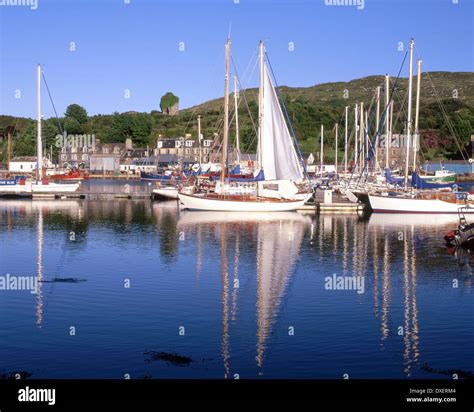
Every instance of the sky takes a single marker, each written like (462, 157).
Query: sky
(122, 55)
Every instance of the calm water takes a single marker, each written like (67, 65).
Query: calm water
(229, 294)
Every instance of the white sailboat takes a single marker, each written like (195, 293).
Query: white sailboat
(41, 185)
(277, 158)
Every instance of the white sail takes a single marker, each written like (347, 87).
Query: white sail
(279, 158)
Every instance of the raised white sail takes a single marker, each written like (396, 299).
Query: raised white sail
(278, 154)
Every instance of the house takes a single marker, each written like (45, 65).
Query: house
(23, 164)
(186, 148)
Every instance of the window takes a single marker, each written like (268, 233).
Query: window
(105, 150)
(207, 143)
(187, 151)
(84, 149)
(116, 149)
(160, 145)
(177, 143)
(189, 143)
(85, 156)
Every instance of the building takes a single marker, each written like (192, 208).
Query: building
(187, 148)
(23, 164)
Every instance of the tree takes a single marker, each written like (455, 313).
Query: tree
(136, 126)
(72, 126)
(77, 112)
(168, 100)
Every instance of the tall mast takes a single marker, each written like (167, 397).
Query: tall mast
(345, 141)
(361, 134)
(335, 158)
(321, 153)
(387, 119)
(226, 112)
(39, 143)
(199, 141)
(236, 106)
(260, 109)
(356, 139)
(377, 123)
(416, 143)
(410, 87)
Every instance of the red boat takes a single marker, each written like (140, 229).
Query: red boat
(71, 175)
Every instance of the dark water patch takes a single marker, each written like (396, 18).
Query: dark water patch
(169, 358)
(63, 280)
(461, 373)
(15, 375)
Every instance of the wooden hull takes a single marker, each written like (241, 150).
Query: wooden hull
(238, 204)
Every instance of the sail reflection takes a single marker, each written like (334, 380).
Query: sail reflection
(277, 240)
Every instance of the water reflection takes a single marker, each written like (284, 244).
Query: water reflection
(395, 254)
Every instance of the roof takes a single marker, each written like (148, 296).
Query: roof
(24, 159)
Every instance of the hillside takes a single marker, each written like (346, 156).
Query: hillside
(308, 108)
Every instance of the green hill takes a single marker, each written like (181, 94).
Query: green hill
(307, 107)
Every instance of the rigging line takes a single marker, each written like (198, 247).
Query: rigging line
(390, 97)
(292, 132)
(464, 154)
(52, 102)
(243, 96)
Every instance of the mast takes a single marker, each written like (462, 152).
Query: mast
(335, 159)
(39, 143)
(236, 106)
(377, 123)
(226, 112)
(199, 142)
(361, 134)
(321, 154)
(356, 139)
(387, 119)
(410, 87)
(416, 143)
(345, 141)
(260, 108)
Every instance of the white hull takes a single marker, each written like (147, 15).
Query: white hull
(167, 192)
(195, 202)
(39, 188)
(388, 204)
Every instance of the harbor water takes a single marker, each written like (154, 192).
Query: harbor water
(139, 289)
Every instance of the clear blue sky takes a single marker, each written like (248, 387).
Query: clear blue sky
(136, 46)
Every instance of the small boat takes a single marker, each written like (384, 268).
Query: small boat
(71, 176)
(439, 176)
(160, 177)
(463, 236)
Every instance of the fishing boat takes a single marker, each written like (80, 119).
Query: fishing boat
(69, 176)
(440, 176)
(279, 185)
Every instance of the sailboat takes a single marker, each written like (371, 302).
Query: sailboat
(25, 187)
(439, 198)
(275, 187)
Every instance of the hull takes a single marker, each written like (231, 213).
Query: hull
(166, 193)
(194, 202)
(30, 188)
(387, 204)
(439, 179)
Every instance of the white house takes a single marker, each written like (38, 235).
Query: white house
(24, 164)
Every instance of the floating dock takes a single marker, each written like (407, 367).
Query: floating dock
(329, 202)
